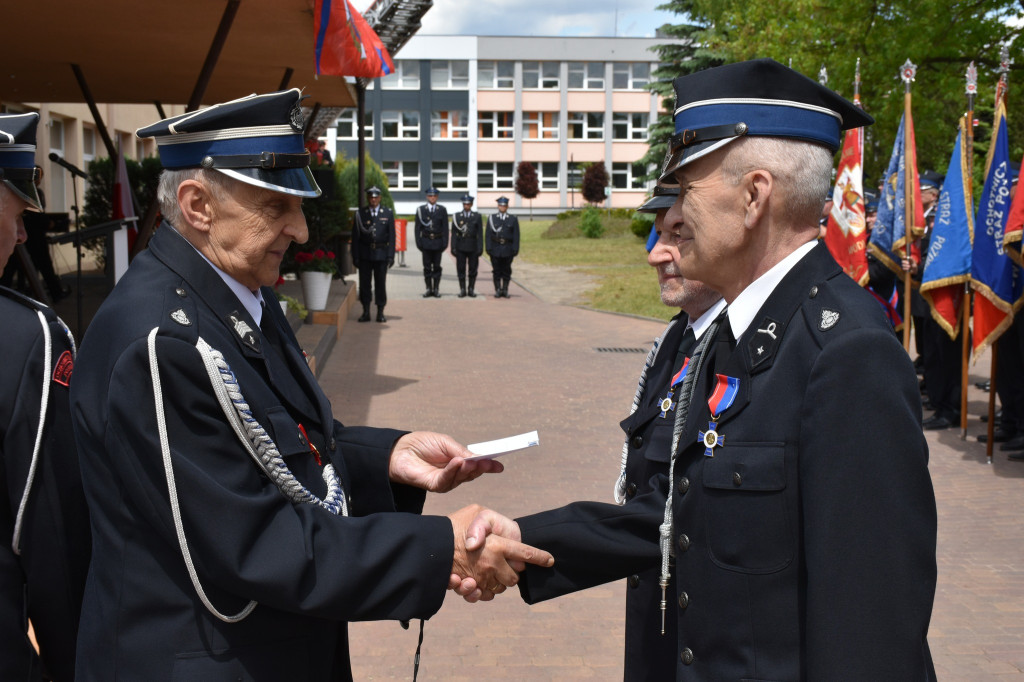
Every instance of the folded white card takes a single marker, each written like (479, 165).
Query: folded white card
(496, 448)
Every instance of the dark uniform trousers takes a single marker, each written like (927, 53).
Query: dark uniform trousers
(431, 233)
(46, 580)
(467, 244)
(373, 252)
(942, 369)
(502, 236)
(308, 569)
(805, 546)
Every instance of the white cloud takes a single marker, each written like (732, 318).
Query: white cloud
(635, 18)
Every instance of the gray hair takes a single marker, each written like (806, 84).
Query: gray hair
(167, 190)
(802, 171)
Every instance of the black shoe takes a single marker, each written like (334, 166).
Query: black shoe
(365, 317)
(999, 436)
(472, 294)
(1016, 456)
(984, 385)
(999, 416)
(429, 293)
(380, 315)
(1015, 443)
(937, 423)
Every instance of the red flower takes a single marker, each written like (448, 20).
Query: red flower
(303, 257)
(330, 254)
(319, 253)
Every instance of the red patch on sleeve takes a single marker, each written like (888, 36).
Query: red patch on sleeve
(62, 372)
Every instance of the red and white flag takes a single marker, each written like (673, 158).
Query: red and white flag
(845, 235)
(122, 203)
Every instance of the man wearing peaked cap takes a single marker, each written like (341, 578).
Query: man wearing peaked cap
(373, 252)
(467, 244)
(238, 525)
(794, 533)
(44, 526)
(502, 238)
(431, 233)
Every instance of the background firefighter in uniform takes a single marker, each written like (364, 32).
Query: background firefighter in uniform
(373, 251)
(502, 246)
(432, 239)
(467, 244)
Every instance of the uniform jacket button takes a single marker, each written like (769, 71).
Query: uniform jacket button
(737, 479)
(332, 443)
(813, 292)
(180, 292)
(686, 656)
(634, 580)
(683, 542)
(684, 485)
(684, 600)
(638, 442)
(631, 490)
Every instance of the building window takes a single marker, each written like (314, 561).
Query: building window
(586, 125)
(540, 75)
(629, 126)
(540, 125)
(495, 125)
(631, 76)
(402, 174)
(449, 125)
(400, 125)
(628, 175)
(586, 75)
(453, 75)
(347, 125)
(547, 174)
(495, 75)
(449, 174)
(406, 76)
(496, 176)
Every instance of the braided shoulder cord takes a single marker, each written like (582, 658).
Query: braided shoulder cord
(619, 493)
(44, 401)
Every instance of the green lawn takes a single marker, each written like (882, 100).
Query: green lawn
(618, 260)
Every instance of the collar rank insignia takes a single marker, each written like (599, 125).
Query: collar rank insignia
(828, 319)
(244, 331)
(181, 318)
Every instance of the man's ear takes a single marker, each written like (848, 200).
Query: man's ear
(196, 204)
(758, 185)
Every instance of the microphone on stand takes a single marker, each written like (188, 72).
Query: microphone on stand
(73, 169)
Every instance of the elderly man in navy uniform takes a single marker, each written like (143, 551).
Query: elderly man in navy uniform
(467, 244)
(373, 252)
(432, 240)
(797, 517)
(502, 246)
(44, 522)
(645, 453)
(237, 524)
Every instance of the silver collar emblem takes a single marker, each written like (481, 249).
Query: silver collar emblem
(181, 318)
(828, 319)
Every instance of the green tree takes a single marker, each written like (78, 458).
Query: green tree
(348, 172)
(98, 204)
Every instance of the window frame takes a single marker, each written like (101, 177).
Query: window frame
(452, 181)
(497, 181)
(632, 171)
(446, 120)
(405, 77)
(402, 127)
(493, 118)
(546, 124)
(395, 170)
(491, 70)
(633, 133)
(547, 182)
(588, 81)
(450, 81)
(583, 120)
(633, 81)
(350, 116)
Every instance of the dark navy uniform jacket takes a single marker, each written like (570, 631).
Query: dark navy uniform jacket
(431, 228)
(467, 233)
(373, 239)
(805, 547)
(309, 570)
(45, 582)
(502, 235)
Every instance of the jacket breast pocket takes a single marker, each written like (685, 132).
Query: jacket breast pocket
(285, 432)
(749, 515)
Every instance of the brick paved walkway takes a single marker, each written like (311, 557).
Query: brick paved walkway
(486, 368)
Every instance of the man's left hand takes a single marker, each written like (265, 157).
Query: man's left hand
(435, 462)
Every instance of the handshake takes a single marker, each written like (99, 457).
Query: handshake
(488, 553)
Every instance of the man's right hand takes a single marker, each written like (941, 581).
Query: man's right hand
(488, 553)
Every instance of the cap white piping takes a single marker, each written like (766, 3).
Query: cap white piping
(754, 100)
(227, 134)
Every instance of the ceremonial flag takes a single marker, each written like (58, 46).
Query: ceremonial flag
(948, 262)
(889, 234)
(993, 275)
(1014, 227)
(123, 207)
(345, 45)
(845, 235)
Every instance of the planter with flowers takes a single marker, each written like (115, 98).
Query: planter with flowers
(316, 269)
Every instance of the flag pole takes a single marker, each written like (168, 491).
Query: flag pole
(965, 303)
(1004, 69)
(907, 73)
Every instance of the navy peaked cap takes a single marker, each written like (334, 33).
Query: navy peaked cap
(932, 180)
(18, 155)
(503, 201)
(256, 139)
(664, 195)
(373, 191)
(466, 199)
(758, 97)
(432, 190)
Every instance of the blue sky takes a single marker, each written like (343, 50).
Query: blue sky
(636, 18)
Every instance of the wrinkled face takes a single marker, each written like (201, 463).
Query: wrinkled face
(374, 200)
(706, 222)
(251, 230)
(676, 291)
(12, 230)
